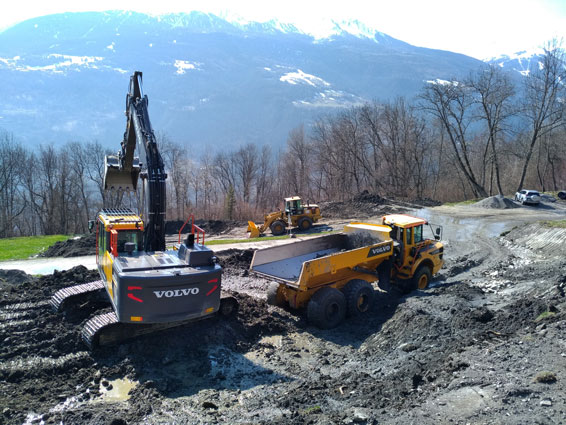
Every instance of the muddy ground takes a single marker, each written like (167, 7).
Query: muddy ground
(483, 345)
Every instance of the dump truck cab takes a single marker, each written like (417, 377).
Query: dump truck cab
(416, 258)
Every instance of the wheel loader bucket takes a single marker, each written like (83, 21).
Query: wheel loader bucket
(252, 228)
(116, 178)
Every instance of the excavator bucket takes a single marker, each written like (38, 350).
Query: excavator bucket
(120, 178)
(252, 228)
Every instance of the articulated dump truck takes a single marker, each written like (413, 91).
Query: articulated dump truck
(332, 275)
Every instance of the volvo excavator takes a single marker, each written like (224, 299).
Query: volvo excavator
(149, 287)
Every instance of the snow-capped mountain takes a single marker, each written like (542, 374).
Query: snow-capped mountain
(211, 82)
(522, 62)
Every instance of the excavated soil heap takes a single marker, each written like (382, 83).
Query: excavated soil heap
(496, 202)
(74, 247)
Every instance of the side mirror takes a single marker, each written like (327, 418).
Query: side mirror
(437, 234)
(90, 225)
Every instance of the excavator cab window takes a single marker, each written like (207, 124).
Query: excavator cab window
(103, 240)
(133, 236)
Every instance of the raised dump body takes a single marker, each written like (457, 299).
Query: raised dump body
(332, 274)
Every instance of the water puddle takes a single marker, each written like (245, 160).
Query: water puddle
(463, 229)
(119, 390)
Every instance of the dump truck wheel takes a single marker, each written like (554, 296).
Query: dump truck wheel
(359, 296)
(305, 223)
(422, 278)
(277, 228)
(327, 308)
(274, 295)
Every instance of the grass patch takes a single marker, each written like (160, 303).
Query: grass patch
(26, 246)
(312, 410)
(545, 315)
(560, 224)
(545, 377)
(265, 238)
(466, 202)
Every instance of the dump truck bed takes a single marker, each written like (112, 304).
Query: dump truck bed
(322, 260)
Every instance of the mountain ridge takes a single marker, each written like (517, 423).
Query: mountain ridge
(209, 81)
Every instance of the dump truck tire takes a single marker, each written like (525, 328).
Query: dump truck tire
(305, 223)
(277, 228)
(327, 308)
(359, 297)
(274, 296)
(421, 279)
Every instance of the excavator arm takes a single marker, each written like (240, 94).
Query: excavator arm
(123, 170)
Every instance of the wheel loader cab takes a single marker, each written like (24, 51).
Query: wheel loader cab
(293, 206)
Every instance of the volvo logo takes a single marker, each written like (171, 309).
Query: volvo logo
(376, 250)
(176, 292)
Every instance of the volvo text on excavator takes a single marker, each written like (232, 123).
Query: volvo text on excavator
(150, 288)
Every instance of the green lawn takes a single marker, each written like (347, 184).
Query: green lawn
(558, 223)
(24, 247)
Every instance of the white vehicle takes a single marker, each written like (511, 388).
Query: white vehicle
(528, 197)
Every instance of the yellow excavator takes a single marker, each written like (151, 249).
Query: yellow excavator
(149, 287)
(295, 215)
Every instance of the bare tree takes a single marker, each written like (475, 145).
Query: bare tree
(544, 106)
(12, 200)
(450, 103)
(493, 94)
(246, 163)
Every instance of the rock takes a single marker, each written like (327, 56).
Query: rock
(408, 347)
(209, 405)
(546, 402)
(360, 415)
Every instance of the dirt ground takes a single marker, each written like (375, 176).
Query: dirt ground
(483, 345)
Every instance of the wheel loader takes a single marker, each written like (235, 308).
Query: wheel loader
(332, 275)
(295, 214)
(150, 288)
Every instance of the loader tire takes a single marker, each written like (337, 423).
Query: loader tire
(277, 228)
(359, 297)
(274, 297)
(305, 223)
(327, 308)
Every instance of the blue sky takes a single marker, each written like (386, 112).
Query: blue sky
(479, 28)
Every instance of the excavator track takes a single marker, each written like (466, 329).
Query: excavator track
(105, 329)
(75, 293)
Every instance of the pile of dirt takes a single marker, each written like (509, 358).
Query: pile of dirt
(363, 205)
(496, 202)
(74, 247)
(211, 227)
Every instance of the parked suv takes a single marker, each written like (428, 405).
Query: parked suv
(528, 197)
